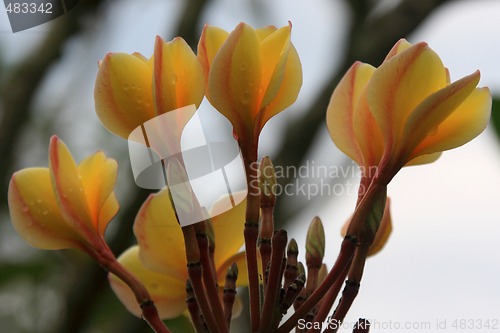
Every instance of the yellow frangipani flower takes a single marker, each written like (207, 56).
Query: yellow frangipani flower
(251, 74)
(65, 205)
(159, 259)
(130, 89)
(406, 111)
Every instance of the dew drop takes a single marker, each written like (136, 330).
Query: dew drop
(243, 67)
(125, 86)
(246, 97)
(45, 212)
(39, 200)
(24, 208)
(80, 189)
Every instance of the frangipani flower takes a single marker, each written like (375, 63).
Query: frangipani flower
(406, 111)
(159, 260)
(131, 89)
(65, 205)
(251, 74)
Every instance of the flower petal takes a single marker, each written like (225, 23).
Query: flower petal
(428, 116)
(400, 46)
(235, 77)
(424, 159)
(466, 122)
(34, 211)
(368, 133)
(228, 228)
(68, 187)
(342, 106)
(399, 85)
(288, 90)
(160, 237)
(262, 33)
(98, 176)
(178, 76)
(274, 50)
(123, 93)
(210, 42)
(167, 292)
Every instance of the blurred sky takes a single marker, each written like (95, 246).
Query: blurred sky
(442, 261)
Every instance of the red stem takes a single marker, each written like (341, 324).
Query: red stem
(346, 252)
(251, 231)
(149, 313)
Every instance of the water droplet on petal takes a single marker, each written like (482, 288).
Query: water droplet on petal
(39, 200)
(24, 208)
(243, 67)
(45, 212)
(246, 97)
(173, 79)
(125, 86)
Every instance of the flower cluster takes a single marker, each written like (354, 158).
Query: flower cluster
(405, 112)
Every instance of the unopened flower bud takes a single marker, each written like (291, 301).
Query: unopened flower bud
(267, 182)
(383, 232)
(315, 243)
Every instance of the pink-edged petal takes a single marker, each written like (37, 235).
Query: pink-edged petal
(235, 78)
(342, 106)
(275, 49)
(466, 122)
(178, 76)
(400, 46)
(399, 85)
(123, 93)
(98, 176)
(34, 212)
(211, 40)
(68, 187)
(426, 119)
(288, 90)
(262, 33)
(368, 134)
(167, 292)
(160, 237)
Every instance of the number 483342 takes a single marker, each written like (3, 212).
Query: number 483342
(29, 8)
(475, 324)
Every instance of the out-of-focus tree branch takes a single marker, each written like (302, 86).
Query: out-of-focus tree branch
(189, 20)
(368, 40)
